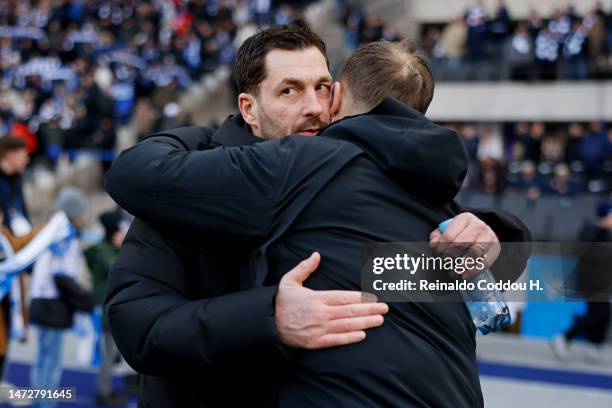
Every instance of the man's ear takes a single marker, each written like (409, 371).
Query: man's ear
(336, 100)
(247, 106)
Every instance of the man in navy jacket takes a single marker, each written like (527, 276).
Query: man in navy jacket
(374, 177)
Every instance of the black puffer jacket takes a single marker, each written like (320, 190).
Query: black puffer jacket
(285, 199)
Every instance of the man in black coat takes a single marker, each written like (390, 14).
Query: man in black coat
(286, 199)
(178, 317)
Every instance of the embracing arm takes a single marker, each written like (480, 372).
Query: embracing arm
(224, 194)
(161, 329)
(229, 195)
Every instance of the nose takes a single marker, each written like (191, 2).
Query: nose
(313, 105)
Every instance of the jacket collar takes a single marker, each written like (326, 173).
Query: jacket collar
(234, 132)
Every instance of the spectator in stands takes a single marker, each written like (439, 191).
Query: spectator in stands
(575, 133)
(284, 15)
(534, 23)
(560, 24)
(561, 184)
(498, 28)
(492, 176)
(471, 140)
(261, 11)
(547, 54)
(533, 142)
(593, 148)
(430, 43)
(518, 55)
(491, 145)
(595, 22)
(353, 23)
(518, 137)
(103, 139)
(449, 50)
(528, 182)
(56, 295)
(575, 47)
(100, 258)
(477, 31)
(390, 34)
(372, 31)
(490, 156)
(453, 40)
(553, 149)
(594, 284)
(14, 159)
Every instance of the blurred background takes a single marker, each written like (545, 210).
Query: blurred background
(526, 84)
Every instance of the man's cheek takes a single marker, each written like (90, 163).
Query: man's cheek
(325, 119)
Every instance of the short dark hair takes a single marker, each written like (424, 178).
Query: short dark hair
(250, 65)
(383, 68)
(10, 143)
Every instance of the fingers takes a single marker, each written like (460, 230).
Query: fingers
(472, 273)
(434, 237)
(482, 243)
(311, 319)
(303, 270)
(465, 230)
(463, 242)
(452, 231)
(354, 324)
(339, 339)
(467, 236)
(357, 310)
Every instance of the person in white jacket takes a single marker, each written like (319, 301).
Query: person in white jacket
(56, 295)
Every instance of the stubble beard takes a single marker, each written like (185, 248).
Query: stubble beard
(270, 129)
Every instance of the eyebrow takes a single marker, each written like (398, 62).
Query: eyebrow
(296, 81)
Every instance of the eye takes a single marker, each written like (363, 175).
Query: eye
(288, 91)
(323, 87)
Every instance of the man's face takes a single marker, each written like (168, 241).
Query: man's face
(295, 96)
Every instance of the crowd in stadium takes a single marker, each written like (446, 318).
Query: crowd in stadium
(564, 45)
(537, 158)
(71, 72)
(360, 28)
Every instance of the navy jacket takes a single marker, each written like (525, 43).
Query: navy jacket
(173, 307)
(387, 176)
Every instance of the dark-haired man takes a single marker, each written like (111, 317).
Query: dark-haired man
(294, 86)
(176, 310)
